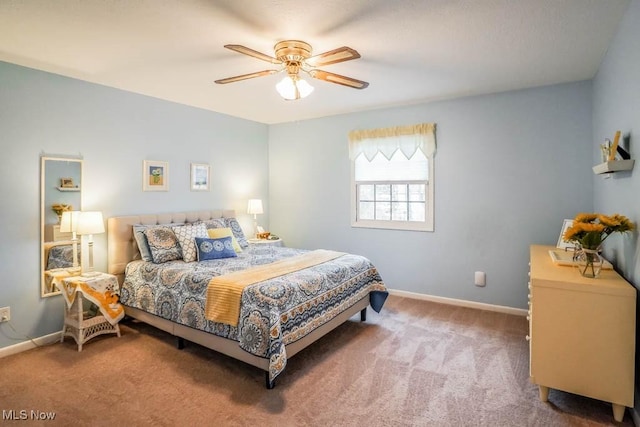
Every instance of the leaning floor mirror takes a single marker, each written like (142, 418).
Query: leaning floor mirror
(60, 201)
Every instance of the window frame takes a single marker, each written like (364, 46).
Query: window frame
(426, 225)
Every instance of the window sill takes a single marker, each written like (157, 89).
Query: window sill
(394, 225)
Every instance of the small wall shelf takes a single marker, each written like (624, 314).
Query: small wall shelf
(68, 188)
(613, 166)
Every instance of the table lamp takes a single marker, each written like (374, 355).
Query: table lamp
(90, 223)
(254, 207)
(69, 224)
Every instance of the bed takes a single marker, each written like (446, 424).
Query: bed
(289, 297)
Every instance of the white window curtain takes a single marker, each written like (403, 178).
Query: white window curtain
(387, 141)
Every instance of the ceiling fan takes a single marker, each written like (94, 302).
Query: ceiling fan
(294, 56)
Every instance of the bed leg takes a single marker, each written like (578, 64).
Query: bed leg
(363, 315)
(270, 383)
(180, 343)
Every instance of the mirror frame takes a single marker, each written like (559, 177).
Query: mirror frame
(44, 291)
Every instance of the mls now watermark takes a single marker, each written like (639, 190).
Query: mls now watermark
(27, 415)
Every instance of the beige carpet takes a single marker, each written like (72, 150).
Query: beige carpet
(415, 364)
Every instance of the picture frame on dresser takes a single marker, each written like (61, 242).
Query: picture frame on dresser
(155, 175)
(200, 176)
(564, 244)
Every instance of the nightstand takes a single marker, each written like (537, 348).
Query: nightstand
(102, 290)
(266, 242)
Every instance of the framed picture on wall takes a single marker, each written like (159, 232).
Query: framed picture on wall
(66, 182)
(563, 244)
(155, 175)
(200, 173)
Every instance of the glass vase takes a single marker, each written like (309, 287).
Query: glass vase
(589, 262)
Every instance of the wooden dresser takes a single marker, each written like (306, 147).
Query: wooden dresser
(581, 332)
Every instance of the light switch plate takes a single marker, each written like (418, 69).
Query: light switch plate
(480, 278)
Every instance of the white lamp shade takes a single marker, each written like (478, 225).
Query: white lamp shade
(292, 88)
(254, 207)
(69, 221)
(90, 223)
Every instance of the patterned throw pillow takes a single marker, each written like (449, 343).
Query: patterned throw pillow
(163, 244)
(237, 232)
(141, 240)
(215, 248)
(216, 233)
(186, 235)
(215, 223)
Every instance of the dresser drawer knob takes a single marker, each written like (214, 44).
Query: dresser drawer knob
(528, 338)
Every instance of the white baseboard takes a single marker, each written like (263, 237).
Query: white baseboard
(460, 302)
(28, 345)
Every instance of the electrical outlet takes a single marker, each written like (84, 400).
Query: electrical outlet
(5, 314)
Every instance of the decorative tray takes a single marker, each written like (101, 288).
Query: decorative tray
(562, 257)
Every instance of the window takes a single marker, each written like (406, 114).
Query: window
(392, 177)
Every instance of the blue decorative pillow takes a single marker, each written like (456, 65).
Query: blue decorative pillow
(215, 248)
(233, 224)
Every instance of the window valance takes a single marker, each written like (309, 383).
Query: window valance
(387, 141)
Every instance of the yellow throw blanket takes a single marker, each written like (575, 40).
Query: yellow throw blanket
(224, 292)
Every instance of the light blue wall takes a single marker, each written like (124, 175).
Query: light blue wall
(509, 168)
(114, 131)
(616, 106)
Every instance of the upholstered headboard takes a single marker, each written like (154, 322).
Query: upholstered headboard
(122, 246)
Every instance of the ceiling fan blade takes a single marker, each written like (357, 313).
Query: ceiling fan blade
(246, 76)
(337, 78)
(254, 53)
(334, 56)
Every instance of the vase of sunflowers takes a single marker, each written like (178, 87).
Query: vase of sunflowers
(588, 231)
(59, 208)
(589, 262)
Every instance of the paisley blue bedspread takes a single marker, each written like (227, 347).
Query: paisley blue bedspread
(273, 313)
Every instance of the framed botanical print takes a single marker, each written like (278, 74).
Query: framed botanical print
(200, 174)
(155, 175)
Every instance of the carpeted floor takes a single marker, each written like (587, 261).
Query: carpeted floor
(415, 364)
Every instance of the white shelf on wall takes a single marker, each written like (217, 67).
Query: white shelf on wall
(68, 188)
(613, 166)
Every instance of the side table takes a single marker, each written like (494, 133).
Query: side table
(101, 289)
(266, 242)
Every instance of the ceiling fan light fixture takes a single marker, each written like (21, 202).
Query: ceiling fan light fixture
(294, 56)
(293, 87)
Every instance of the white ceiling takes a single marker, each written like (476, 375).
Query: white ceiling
(412, 50)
